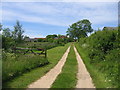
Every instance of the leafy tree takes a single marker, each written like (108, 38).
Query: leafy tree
(7, 40)
(18, 32)
(51, 36)
(6, 32)
(59, 36)
(69, 39)
(10, 38)
(40, 40)
(50, 40)
(0, 26)
(0, 36)
(80, 29)
(118, 36)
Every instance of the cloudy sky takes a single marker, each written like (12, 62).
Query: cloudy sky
(42, 18)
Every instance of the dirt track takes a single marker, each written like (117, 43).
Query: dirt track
(47, 80)
(84, 79)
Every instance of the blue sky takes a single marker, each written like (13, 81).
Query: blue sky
(42, 18)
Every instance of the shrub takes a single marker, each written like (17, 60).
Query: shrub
(103, 50)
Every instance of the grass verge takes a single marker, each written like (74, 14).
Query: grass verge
(67, 79)
(16, 66)
(25, 79)
(97, 77)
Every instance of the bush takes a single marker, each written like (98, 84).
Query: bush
(103, 50)
(7, 42)
(40, 40)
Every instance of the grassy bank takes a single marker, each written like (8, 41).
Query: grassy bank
(16, 65)
(100, 52)
(67, 79)
(98, 78)
(25, 79)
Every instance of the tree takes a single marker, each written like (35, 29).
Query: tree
(6, 32)
(0, 26)
(10, 38)
(0, 35)
(18, 32)
(51, 36)
(40, 40)
(79, 29)
(7, 40)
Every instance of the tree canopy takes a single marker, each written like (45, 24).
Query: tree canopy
(18, 32)
(80, 29)
(6, 32)
(51, 36)
(0, 26)
(9, 37)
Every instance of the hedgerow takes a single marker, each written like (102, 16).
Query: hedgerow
(103, 50)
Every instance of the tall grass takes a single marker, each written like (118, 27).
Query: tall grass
(16, 65)
(22, 81)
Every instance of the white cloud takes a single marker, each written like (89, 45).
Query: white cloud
(61, 14)
(0, 12)
(6, 26)
(32, 7)
(13, 16)
(33, 34)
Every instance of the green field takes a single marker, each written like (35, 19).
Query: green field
(25, 79)
(14, 64)
(44, 45)
(67, 79)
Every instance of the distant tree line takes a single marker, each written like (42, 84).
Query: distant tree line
(58, 39)
(75, 32)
